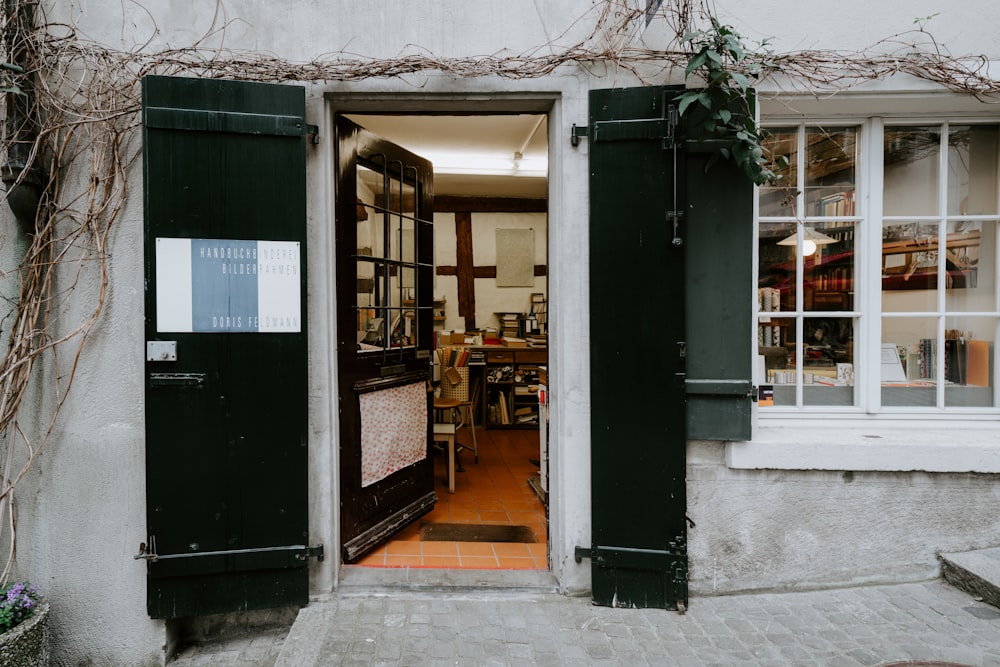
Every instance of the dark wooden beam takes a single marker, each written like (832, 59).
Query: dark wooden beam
(466, 283)
(485, 271)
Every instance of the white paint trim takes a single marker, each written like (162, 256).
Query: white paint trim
(884, 447)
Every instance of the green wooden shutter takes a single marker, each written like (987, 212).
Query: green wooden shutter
(226, 390)
(670, 286)
(638, 550)
(719, 283)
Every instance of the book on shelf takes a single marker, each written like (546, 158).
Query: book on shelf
(453, 357)
(980, 363)
(539, 306)
(966, 361)
(838, 204)
(504, 414)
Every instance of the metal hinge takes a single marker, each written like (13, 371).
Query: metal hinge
(576, 132)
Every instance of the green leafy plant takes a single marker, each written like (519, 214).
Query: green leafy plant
(18, 601)
(922, 21)
(727, 99)
(5, 85)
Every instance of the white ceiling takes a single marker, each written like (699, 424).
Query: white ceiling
(497, 136)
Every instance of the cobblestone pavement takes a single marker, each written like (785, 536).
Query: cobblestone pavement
(909, 624)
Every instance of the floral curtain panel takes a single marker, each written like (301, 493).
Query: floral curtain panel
(393, 430)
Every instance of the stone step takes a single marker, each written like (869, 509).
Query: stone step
(975, 572)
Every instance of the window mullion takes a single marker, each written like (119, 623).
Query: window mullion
(942, 229)
(800, 214)
(868, 294)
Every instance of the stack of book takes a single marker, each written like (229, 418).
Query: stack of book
(510, 325)
(537, 340)
(526, 416)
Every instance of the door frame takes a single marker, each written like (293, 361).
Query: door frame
(415, 105)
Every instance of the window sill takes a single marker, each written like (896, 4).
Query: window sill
(879, 447)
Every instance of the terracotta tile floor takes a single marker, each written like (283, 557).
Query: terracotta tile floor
(494, 491)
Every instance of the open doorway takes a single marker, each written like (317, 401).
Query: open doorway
(490, 337)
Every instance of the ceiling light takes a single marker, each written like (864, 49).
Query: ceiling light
(810, 240)
(485, 164)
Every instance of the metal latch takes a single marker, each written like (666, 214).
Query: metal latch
(176, 379)
(674, 217)
(161, 350)
(312, 134)
(312, 552)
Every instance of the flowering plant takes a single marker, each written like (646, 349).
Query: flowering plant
(17, 603)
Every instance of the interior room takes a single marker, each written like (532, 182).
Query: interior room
(490, 328)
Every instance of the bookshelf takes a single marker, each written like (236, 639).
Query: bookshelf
(512, 378)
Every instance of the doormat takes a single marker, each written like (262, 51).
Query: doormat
(474, 532)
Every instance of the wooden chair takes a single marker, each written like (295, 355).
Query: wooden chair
(462, 414)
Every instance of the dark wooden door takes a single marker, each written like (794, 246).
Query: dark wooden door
(384, 239)
(226, 357)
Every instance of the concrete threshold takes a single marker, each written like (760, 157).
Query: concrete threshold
(396, 580)
(975, 572)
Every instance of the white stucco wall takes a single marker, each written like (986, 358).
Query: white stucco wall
(83, 507)
(82, 510)
(490, 299)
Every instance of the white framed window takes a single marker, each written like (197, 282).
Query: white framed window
(877, 261)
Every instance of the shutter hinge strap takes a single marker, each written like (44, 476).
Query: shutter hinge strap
(147, 552)
(576, 132)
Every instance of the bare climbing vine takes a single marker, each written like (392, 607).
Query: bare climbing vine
(78, 140)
